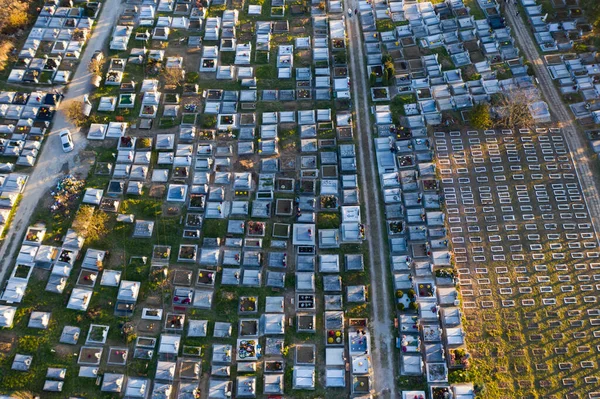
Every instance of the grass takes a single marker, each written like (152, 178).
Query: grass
(126, 253)
(386, 25)
(227, 57)
(397, 105)
(518, 339)
(443, 58)
(189, 119)
(215, 228)
(328, 220)
(169, 122)
(474, 9)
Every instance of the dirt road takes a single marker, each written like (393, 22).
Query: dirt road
(384, 369)
(585, 166)
(52, 161)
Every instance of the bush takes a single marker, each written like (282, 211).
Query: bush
(98, 227)
(30, 343)
(192, 77)
(14, 16)
(397, 105)
(16, 380)
(74, 114)
(145, 142)
(413, 306)
(328, 221)
(373, 79)
(480, 117)
(173, 76)
(83, 217)
(401, 306)
(96, 67)
(209, 121)
(5, 48)
(580, 48)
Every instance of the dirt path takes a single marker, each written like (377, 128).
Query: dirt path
(578, 145)
(52, 161)
(384, 369)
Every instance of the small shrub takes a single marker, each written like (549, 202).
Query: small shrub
(30, 343)
(192, 77)
(480, 117)
(74, 114)
(145, 142)
(209, 121)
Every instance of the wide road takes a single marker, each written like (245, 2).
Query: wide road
(383, 346)
(577, 143)
(52, 161)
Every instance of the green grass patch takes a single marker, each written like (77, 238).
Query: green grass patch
(261, 57)
(142, 207)
(397, 105)
(328, 220)
(266, 72)
(167, 123)
(227, 57)
(189, 119)
(474, 9)
(215, 228)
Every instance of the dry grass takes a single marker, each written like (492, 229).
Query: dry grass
(6, 46)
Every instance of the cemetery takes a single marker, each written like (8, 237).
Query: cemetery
(215, 248)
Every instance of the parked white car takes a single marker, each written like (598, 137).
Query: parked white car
(66, 140)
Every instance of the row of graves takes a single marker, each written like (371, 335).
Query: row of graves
(561, 34)
(429, 319)
(528, 248)
(96, 358)
(144, 23)
(55, 44)
(92, 351)
(444, 56)
(269, 212)
(285, 194)
(431, 337)
(24, 121)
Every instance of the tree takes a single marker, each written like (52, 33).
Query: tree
(96, 66)
(592, 12)
(74, 113)
(513, 109)
(385, 79)
(14, 16)
(388, 63)
(373, 78)
(480, 117)
(173, 76)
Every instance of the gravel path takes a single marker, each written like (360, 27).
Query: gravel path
(578, 145)
(384, 369)
(53, 162)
